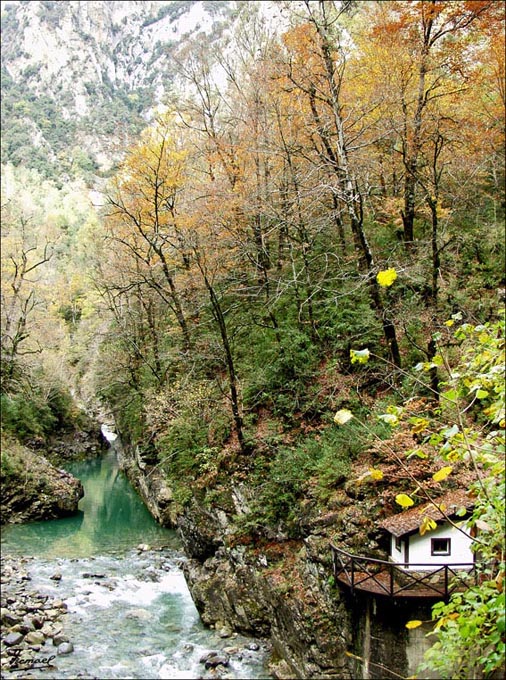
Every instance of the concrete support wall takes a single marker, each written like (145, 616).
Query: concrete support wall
(385, 646)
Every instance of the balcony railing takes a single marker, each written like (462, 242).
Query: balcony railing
(393, 580)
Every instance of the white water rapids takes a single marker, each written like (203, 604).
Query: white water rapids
(132, 616)
(130, 613)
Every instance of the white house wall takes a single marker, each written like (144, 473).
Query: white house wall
(420, 548)
(395, 554)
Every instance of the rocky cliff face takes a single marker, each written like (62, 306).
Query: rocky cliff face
(79, 78)
(36, 489)
(285, 590)
(65, 49)
(34, 486)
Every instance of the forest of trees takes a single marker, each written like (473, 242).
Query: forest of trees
(245, 231)
(270, 251)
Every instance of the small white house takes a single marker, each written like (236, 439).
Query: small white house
(446, 544)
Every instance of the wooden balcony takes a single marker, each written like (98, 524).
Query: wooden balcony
(391, 579)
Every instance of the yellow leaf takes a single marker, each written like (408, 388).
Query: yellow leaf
(404, 501)
(449, 323)
(375, 474)
(420, 425)
(386, 277)
(443, 621)
(427, 524)
(360, 356)
(442, 474)
(413, 624)
(343, 416)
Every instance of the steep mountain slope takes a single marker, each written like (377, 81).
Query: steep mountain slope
(78, 78)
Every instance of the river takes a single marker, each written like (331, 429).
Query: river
(130, 613)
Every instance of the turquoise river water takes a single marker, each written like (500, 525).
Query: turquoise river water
(130, 612)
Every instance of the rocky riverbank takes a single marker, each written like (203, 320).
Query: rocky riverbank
(284, 589)
(34, 489)
(36, 632)
(32, 623)
(280, 590)
(34, 486)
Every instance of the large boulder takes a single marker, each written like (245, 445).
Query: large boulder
(34, 489)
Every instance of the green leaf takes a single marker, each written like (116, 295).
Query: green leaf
(450, 395)
(419, 453)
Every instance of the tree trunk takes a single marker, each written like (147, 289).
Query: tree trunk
(229, 360)
(351, 196)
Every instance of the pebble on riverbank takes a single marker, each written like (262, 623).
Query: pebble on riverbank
(31, 623)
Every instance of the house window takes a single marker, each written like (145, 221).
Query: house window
(440, 546)
(398, 543)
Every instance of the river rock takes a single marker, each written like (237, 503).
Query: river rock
(16, 628)
(50, 630)
(65, 648)
(28, 623)
(7, 617)
(59, 639)
(231, 651)
(217, 660)
(37, 622)
(13, 638)
(140, 613)
(35, 638)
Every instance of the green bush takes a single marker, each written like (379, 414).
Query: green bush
(11, 467)
(34, 415)
(278, 370)
(347, 320)
(25, 417)
(182, 441)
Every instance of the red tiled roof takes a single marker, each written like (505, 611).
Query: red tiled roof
(408, 521)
